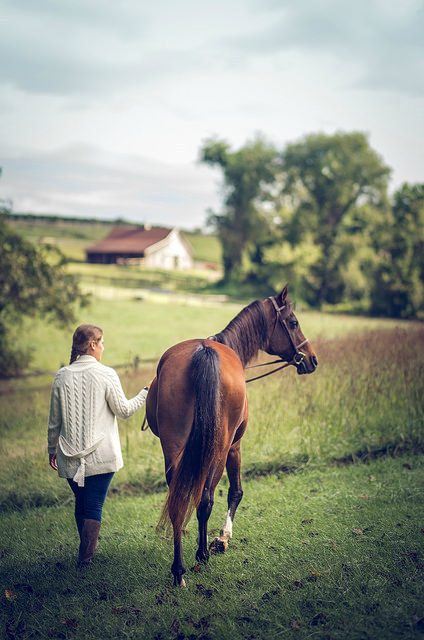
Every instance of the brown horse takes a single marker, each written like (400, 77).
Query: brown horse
(197, 405)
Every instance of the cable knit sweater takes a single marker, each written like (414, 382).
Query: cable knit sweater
(86, 398)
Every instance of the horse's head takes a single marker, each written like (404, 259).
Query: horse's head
(285, 337)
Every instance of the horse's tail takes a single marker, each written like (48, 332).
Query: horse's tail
(203, 445)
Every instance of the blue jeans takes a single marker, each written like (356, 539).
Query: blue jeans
(89, 500)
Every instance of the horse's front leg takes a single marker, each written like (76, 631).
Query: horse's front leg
(235, 492)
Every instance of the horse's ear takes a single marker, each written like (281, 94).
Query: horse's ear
(281, 299)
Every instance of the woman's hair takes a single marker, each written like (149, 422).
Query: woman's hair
(83, 336)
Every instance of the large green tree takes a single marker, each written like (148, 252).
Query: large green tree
(397, 287)
(326, 180)
(248, 175)
(33, 282)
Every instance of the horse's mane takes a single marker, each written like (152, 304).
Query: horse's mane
(246, 333)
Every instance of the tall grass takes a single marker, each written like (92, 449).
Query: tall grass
(365, 399)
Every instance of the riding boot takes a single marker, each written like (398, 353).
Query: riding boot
(89, 538)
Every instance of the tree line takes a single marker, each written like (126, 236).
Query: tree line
(318, 214)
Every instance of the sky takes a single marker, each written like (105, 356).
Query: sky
(104, 105)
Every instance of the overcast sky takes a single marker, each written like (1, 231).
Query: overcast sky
(104, 104)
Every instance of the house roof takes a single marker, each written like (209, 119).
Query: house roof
(129, 239)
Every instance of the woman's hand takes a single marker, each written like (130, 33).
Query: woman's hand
(52, 461)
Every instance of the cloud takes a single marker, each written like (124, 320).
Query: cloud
(87, 181)
(89, 46)
(83, 47)
(64, 47)
(383, 39)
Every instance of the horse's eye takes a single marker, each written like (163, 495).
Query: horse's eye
(294, 324)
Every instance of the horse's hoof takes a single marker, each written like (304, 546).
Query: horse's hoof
(219, 545)
(179, 581)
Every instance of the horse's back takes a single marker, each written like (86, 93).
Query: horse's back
(176, 361)
(170, 406)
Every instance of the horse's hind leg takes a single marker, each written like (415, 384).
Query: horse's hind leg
(204, 511)
(178, 567)
(235, 492)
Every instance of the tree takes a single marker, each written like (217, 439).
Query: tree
(398, 277)
(326, 178)
(247, 173)
(33, 281)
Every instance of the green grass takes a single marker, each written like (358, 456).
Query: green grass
(206, 248)
(69, 235)
(330, 550)
(147, 327)
(334, 553)
(140, 282)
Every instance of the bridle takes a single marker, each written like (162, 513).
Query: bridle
(298, 356)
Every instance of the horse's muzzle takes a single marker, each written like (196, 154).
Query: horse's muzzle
(307, 365)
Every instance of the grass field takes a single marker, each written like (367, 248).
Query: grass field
(328, 540)
(322, 548)
(335, 553)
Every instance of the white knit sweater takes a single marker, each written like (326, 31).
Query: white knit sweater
(86, 397)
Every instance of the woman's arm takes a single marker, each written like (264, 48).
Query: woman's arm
(55, 422)
(119, 403)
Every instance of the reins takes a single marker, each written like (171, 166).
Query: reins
(264, 364)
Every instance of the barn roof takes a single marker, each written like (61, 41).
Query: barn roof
(129, 239)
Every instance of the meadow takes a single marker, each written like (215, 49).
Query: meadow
(328, 540)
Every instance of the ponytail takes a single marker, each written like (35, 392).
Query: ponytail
(74, 355)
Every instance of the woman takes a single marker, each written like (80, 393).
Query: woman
(83, 438)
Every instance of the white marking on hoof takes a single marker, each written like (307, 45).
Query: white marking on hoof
(182, 583)
(227, 529)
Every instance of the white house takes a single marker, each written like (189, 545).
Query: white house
(154, 247)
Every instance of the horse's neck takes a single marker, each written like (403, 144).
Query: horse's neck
(247, 333)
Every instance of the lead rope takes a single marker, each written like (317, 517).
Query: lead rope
(286, 364)
(145, 425)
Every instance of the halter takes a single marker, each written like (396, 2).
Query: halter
(298, 356)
